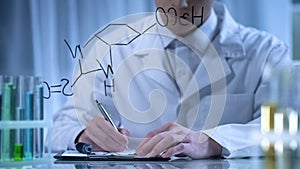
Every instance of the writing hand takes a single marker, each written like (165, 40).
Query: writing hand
(103, 136)
(174, 139)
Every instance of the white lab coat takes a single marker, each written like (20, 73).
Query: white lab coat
(144, 99)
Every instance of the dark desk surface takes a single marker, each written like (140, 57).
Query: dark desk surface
(179, 164)
(249, 163)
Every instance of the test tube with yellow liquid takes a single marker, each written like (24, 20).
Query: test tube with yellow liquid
(267, 129)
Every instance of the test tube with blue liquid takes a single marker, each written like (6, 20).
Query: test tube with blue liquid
(28, 116)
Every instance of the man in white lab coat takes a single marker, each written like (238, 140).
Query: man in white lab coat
(191, 82)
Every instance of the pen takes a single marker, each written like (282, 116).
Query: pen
(105, 114)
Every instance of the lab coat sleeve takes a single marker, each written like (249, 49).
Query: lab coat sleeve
(72, 118)
(243, 140)
(66, 128)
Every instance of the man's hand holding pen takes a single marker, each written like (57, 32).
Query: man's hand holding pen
(103, 136)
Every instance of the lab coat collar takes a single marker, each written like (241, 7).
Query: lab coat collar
(197, 40)
(209, 27)
(200, 41)
(228, 42)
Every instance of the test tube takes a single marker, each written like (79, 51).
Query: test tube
(7, 113)
(5, 116)
(29, 108)
(296, 101)
(19, 115)
(1, 84)
(296, 88)
(267, 127)
(267, 117)
(38, 115)
(1, 88)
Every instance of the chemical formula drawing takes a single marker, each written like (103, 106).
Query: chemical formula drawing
(64, 86)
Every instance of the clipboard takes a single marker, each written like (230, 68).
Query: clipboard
(73, 155)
